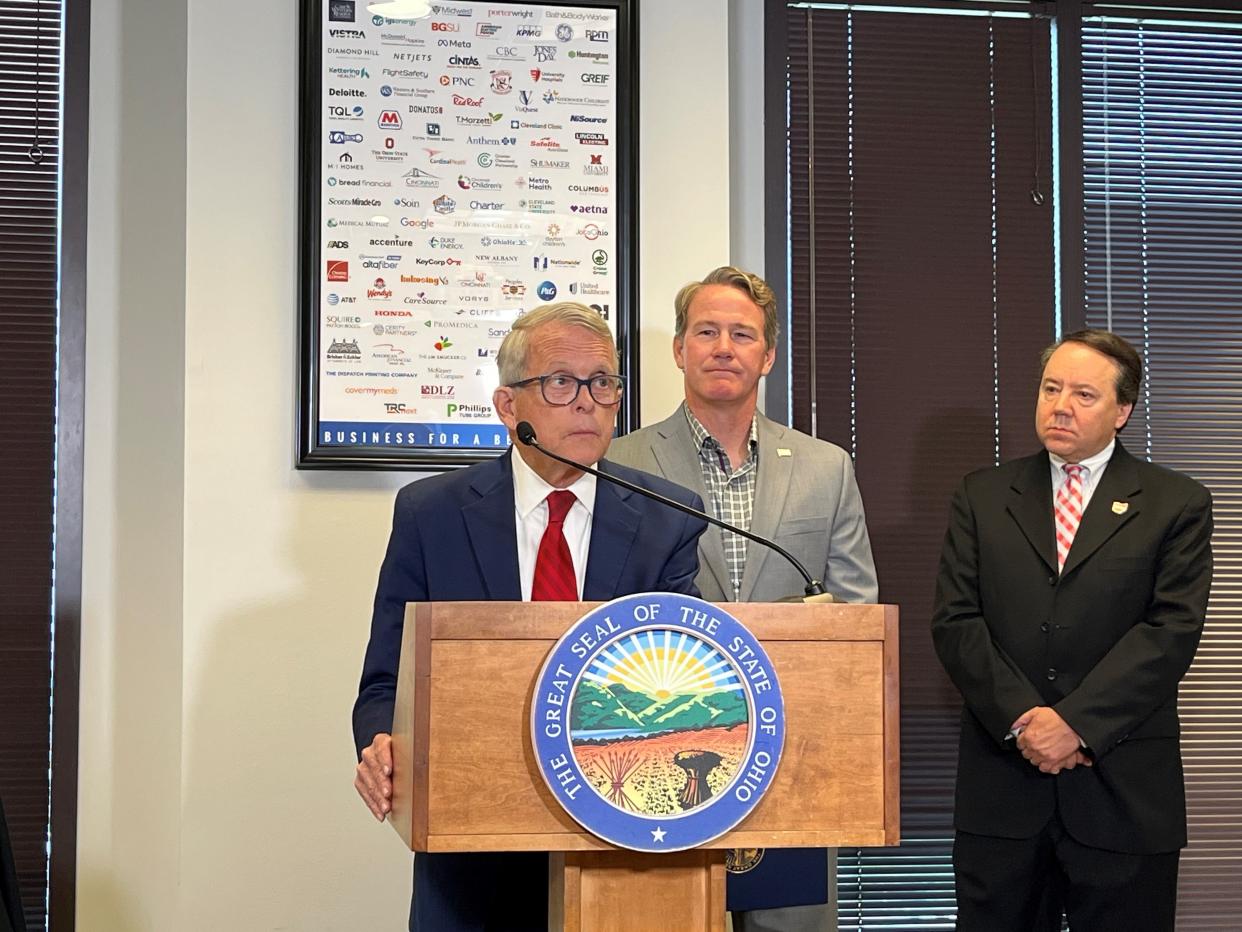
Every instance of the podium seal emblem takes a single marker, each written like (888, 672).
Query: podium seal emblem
(657, 721)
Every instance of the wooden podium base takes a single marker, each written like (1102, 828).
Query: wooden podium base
(625, 891)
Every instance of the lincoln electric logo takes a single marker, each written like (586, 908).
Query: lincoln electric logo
(658, 722)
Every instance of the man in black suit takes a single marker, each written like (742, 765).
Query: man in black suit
(1071, 596)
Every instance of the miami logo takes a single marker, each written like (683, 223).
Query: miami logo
(658, 722)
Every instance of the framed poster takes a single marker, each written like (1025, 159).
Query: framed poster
(460, 164)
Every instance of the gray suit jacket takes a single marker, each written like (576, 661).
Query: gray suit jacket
(806, 500)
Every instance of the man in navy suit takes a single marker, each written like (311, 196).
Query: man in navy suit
(1072, 593)
(481, 533)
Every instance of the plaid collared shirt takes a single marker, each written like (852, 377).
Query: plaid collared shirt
(731, 494)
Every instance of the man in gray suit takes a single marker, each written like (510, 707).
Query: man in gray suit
(766, 478)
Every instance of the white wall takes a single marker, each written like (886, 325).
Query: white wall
(226, 595)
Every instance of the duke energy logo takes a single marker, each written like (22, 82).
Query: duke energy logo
(657, 721)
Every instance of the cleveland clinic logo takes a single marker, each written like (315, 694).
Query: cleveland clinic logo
(657, 722)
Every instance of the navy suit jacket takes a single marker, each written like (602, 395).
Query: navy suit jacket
(1105, 642)
(454, 538)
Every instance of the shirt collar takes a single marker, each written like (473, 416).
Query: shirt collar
(1092, 463)
(701, 436)
(530, 490)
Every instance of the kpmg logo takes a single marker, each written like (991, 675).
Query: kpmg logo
(657, 722)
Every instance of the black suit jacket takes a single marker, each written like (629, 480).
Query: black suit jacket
(1105, 643)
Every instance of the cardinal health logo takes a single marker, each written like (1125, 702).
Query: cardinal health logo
(657, 721)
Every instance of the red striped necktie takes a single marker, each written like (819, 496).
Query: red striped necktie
(554, 568)
(1068, 511)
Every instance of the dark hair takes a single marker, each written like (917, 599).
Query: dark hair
(1129, 364)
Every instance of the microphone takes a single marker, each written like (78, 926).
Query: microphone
(814, 590)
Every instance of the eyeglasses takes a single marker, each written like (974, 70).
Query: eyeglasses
(561, 390)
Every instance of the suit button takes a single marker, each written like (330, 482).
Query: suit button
(1044, 627)
(1052, 580)
(1052, 673)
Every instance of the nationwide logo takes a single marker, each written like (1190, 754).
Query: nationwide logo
(555, 262)
(338, 270)
(379, 290)
(346, 92)
(657, 722)
(545, 53)
(565, 32)
(486, 30)
(389, 119)
(347, 34)
(596, 166)
(461, 101)
(591, 139)
(588, 209)
(502, 81)
(341, 11)
(529, 32)
(444, 204)
(344, 349)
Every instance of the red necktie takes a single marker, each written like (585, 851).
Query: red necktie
(1068, 511)
(554, 569)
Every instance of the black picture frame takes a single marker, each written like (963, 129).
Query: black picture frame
(312, 449)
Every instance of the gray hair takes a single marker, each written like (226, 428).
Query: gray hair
(511, 359)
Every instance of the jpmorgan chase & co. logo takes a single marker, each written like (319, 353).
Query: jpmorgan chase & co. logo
(657, 721)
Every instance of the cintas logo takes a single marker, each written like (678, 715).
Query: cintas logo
(389, 119)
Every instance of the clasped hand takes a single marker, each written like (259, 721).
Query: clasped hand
(1048, 742)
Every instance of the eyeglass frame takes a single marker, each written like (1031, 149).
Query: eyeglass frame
(542, 379)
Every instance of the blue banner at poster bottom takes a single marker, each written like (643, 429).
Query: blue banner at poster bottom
(413, 436)
(783, 877)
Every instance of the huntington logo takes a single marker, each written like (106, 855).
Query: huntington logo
(657, 721)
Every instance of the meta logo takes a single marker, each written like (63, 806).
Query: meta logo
(546, 291)
(389, 119)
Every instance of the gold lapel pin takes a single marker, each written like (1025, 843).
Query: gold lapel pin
(1120, 508)
(784, 451)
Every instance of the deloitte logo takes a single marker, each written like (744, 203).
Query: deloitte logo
(657, 722)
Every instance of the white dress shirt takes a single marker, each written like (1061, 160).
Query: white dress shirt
(530, 499)
(1091, 475)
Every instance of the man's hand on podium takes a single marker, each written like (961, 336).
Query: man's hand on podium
(373, 779)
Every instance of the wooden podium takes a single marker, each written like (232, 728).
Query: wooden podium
(465, 778)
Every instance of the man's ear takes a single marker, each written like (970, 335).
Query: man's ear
(502, 400)
(1123, 416)
(679, 346)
